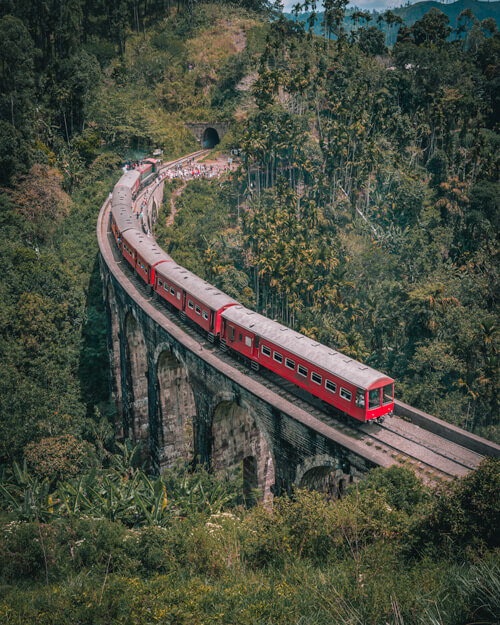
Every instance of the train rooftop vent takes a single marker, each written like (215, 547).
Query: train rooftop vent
(363, 368)
(332, 353)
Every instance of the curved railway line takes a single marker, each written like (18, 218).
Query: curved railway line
(434, 457)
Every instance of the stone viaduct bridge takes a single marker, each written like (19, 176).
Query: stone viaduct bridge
(182, 399)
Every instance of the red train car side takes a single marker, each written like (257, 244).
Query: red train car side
(198, 300)
(350, 386)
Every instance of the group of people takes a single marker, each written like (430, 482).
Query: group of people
(188, 169)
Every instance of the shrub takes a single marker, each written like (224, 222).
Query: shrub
(465, 515)
(58, 457)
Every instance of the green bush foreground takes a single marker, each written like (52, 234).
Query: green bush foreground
(116, 546)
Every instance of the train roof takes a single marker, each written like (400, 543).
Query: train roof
(326, 358)
(146, 247)
(202, 291)
(128, 179)
(124, 219)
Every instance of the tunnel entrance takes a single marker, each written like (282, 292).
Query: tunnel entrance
(210, 138)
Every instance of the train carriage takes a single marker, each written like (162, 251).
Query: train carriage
(147, 255)
(130, 181)
(122, 221)
(350, 386)
(147, 171)
(200, 301)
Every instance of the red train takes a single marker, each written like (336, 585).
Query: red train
(350, 386)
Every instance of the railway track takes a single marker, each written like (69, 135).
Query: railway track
(433, 457)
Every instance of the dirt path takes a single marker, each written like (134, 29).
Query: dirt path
(173, 210)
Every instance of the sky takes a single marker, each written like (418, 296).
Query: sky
(365, 5)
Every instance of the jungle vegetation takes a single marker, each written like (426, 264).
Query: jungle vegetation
(364, 213)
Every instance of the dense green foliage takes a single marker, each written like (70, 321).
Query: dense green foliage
(84, 86)
(123, 548)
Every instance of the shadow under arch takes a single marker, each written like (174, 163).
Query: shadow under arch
(238, 444)
(175, 409)
(326, 479)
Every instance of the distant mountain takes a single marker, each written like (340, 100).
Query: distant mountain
(414, 12)
(481, 10)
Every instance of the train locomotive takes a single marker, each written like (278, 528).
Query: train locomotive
(350, 387)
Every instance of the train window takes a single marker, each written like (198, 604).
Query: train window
(248, 341)
(172, 291)
(160, 283)
(197, 310)
(240, 337)
(190, 304)
(374, 398)
(205, 315)
(360, 398)
(387, 394)
(178, 294)
(290, 363)
(316, 378)
(345, 394)
(230, 331)
(330, 386)
(257, 341)
(302, 370)
(278, 357)
(266, 351)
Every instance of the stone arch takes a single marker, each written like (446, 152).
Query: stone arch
(324, 474)
(239, 444)
(114, 352)
(210, 138)
(176, 410)
(137, 405)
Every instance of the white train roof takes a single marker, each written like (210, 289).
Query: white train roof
(125, 220)
(146, 247)
(203, 291)
(121, 207)
(128, 179)
(324, 357)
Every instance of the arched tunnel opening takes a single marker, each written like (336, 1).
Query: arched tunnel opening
(210, 138)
